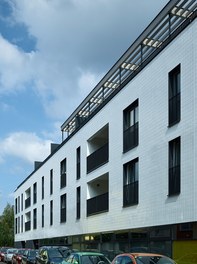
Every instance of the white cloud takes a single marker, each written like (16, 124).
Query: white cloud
(15, 67)
(72, 35)
(25, 146)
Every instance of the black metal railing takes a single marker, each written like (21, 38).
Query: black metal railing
(98, 158)
(130, 194)
(98, 204)
(130, 137)
(174, 180)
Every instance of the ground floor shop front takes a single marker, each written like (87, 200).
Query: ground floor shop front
(175, 241)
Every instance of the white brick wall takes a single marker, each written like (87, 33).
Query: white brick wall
(154, 207)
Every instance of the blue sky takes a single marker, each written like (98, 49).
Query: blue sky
(52, 54)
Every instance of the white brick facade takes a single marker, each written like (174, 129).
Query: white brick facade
(155, 207)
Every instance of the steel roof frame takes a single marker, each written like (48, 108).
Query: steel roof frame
(147, 45)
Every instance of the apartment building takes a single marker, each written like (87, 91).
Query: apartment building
(124, 176)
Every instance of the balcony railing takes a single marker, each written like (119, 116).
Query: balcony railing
(98, 204)
(130, 138)
(98, 158)
(130, 194)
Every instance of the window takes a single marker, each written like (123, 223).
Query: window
(35, 193)
(78, 202)
(63, 208)
(130, 183)
(130, 127)
(22, 202)
(21, 223)
(16, 205)
(174, 166)
(78, 163)
(42, 215)
(51, 212)
(51, 181)
(63, 173)
(174, 96)
(42, 187)
(35, 218)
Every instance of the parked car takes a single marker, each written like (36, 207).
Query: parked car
(87, 258)
(9, 254)
(142, 258)
(29, 256)
(17, 256)
(3, 252)
(52, 254)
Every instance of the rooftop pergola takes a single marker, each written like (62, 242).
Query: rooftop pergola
(173, 18)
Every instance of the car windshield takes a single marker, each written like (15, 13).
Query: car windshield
(55, 253)
(32, 253)
(94, 259)
(153, 260)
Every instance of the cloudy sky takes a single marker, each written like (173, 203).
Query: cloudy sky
(52, 54)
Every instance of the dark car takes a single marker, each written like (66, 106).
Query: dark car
(142, 258)
(52, 255)
(29, 256)
(86, 257)
(17, 256)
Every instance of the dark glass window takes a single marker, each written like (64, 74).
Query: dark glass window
(35, 193)
(174, 166)
(42, 215)
(63, 208)
(78, 202)
(51, 181)
(51, 212)
(35, 218)
(174, 96)
(42, 187)
(130, 127)
(130, 183)
(63, 173)
(78, 163)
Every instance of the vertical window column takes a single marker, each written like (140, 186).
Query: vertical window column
(51, 181)
(78, 163)
(63, 173)
(78, 205)
(130, 127)
(174, 111)
(63, 208)
(174, 181)
(130, 181)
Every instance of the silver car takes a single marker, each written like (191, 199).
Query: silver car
(8, 256)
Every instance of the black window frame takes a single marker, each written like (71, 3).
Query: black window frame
(63, 169)
(78, 163)
(63, 201)
(131, 130)
(78, 202)
(174, 167)
(131, 183)
(174, 96)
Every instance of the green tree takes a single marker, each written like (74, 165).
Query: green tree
(7, 226)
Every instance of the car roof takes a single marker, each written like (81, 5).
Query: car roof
(138, 254)
(87, 253)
